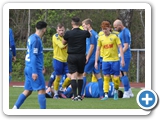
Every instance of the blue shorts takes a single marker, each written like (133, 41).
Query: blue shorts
(101, 58)
(111, 68)
(10, 61)
(127, 64)
(89, 67)
(60, 68)
(32, 85)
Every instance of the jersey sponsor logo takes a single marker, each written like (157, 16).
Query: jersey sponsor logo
(108, 46)
(35, 50)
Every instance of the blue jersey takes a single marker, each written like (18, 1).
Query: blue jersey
(92, 40)
(125, 37)
(92, 90)
(11, 42)
(34, 55)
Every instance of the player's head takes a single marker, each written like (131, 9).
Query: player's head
(86, 24)
(118, 25)
(41, 26)
(106, 27)
(75, 21)
(120, 93)
(60, 29)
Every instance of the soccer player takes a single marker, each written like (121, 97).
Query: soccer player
(110, 63)
(125, 37)
(12, 52)
(34, 78)
(60, 59)
(92, 90)
(76, 39)
(91, 45)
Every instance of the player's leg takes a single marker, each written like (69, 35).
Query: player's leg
(28, 90)
(10, 66)
(106, 66)
(116, 71)
(58, 67)
(125, 80)
(39, 85)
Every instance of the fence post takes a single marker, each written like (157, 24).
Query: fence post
(137, 66)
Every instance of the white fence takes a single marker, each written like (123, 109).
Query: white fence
(133, 50)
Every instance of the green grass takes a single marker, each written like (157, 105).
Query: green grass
(87, 103)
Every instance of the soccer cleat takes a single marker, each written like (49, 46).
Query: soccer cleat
(115, 96)
(100, 97)
(130, 92)
(79, 98)
(104, 98)
(126, 95)
(14, 107)
(62, 95)
(75, 99)
(56, 97)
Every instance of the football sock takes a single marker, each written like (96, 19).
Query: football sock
(116, 82)
(94, 79)
(20, 100)
(56, 83)
(10, 78)
(100, 85)
(42, 101)
(52, 78)
(125, 82)
(106, 84)
(80, 85)
(74, 87)
(84, 85)
(66, 82)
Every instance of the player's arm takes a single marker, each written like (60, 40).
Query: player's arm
(90, 52)
(97, 57)
(122, 55)
(34, 53)
(12, 44)
(59, 43)
(126, 39)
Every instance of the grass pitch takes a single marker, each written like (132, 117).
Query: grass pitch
(87, 103)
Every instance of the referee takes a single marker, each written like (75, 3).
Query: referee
(76, 40)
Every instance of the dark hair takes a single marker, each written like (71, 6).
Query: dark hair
(76, 20)
(41, 25)
(120, 93)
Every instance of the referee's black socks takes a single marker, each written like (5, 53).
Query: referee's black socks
(80, 85)
(74, 87)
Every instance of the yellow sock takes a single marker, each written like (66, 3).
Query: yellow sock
(106, 84)
(116, 81)
(94, 79)
(66, 82)
(56, 83)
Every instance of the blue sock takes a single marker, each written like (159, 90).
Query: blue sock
(42, 101)
(100, 85)
(10, 78)
(125, 82)
(67, 91)
(20, 100)
(84, 84)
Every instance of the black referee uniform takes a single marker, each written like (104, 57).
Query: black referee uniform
(76, 40)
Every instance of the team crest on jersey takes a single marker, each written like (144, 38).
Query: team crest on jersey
(111, 39)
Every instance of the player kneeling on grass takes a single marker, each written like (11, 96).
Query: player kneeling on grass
(92, 91)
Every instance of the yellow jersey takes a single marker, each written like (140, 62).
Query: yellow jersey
(109, 44)
(59, 50)
(102, 33)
